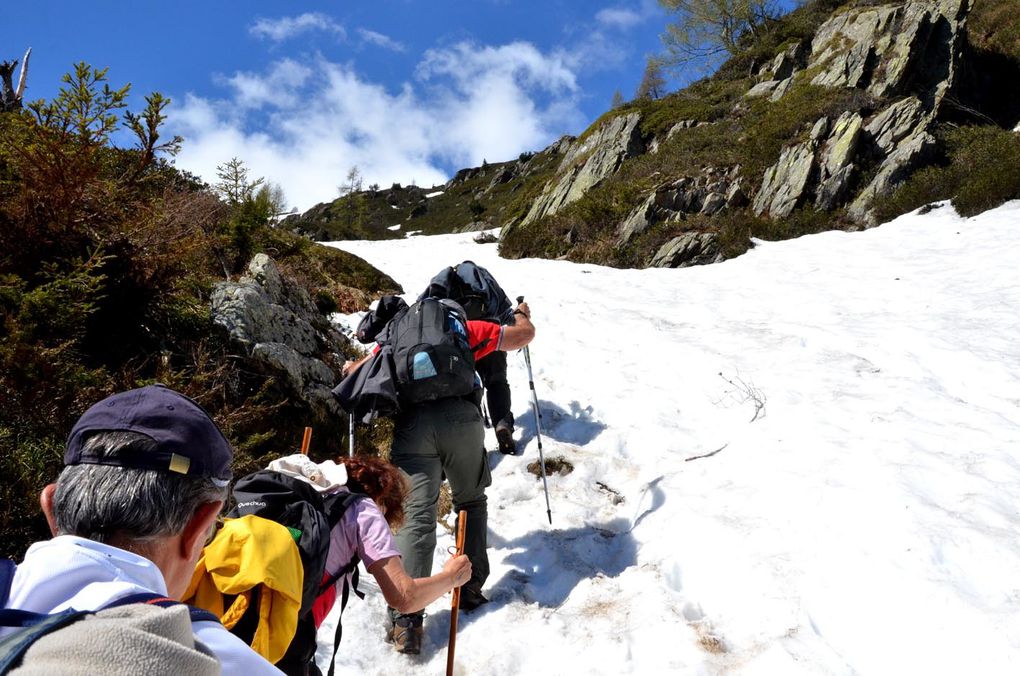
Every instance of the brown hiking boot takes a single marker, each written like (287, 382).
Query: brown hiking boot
(505, 438)
(406, 634)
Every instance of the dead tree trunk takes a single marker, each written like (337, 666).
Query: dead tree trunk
(11, 96)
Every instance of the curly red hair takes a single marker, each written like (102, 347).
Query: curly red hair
(380, 481)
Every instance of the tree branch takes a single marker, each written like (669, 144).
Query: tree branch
(706, 455)
(20, 91)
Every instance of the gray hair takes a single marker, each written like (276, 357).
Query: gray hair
(98, 502)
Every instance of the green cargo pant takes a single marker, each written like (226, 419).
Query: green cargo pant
(430, 440)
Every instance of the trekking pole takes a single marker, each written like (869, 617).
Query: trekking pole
(306, 441)
(461, 529)
(538, 424)
(351, 435)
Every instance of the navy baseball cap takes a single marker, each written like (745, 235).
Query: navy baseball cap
(187, 440)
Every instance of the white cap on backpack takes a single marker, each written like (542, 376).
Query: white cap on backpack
(325, 476)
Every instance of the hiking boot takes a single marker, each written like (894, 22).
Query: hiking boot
(505, 438)
(406, 633)
(471, 598)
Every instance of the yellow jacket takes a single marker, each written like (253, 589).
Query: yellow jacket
(247, 552)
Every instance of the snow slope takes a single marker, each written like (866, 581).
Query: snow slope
(861, 517)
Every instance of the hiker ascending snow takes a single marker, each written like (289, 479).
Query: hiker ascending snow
(341, 514)
(145, 477)
(478, 292)
(428, 351)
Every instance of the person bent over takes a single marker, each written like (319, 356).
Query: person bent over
(445, 437)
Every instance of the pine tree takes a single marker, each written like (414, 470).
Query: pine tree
(653, 83)
(352, 183)
(233, 184)
(617, 100)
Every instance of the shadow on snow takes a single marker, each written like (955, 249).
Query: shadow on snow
(549, 564)
(575, 427)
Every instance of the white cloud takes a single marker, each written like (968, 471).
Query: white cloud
(279, 86)
(303, 125)
(288, 26)
(624, 18)
(380, 40)
(620, 18)
(494, 102)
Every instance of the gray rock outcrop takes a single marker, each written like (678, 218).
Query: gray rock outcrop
(708, 193)
(897, 166)
(907, 51)
(835, 165)
(785, 183)
(892, 49)
(282, 334)
(588, 162)
(779, 73)
(690, 248)
(638, 221)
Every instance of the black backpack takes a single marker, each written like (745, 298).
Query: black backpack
(432, 357)
(33, 626)
(474, 289)
(310, 517)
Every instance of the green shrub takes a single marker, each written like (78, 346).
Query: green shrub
(988, 162)
(29, 459)
(994, 26)
(325, 303)
(980, 170)
(107, 260)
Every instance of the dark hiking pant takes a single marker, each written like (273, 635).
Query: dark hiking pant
(492, 370)
(430, 440)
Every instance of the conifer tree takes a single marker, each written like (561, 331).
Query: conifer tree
(653, 83)
(233, 185)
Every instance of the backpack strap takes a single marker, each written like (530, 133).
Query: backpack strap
(33, 627)
(152, 599)
(336, 506)
(344, 596)
(7, 570)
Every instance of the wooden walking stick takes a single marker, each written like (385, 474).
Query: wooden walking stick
(306, 441)
(461, 528)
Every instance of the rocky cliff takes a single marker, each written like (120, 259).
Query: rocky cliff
(811, 136)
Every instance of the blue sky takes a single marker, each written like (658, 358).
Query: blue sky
(406, 90)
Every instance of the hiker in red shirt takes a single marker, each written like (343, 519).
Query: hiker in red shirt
(446, 437)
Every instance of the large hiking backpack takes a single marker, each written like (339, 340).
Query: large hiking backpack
(310, 516)
(30, 626)
(424, 354)
(474, 289)
(432, 356)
